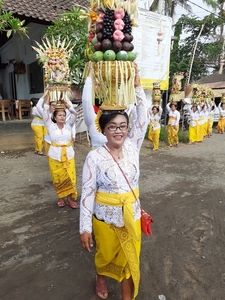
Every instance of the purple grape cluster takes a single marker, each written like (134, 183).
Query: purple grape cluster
(128, 25)
(108, 22)
(105, 30)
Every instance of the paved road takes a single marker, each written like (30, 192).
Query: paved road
(182, 188)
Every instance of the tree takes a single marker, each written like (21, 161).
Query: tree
(9, 24)
(208, 49)
(170, 5)
(72, 26)
(218, 5)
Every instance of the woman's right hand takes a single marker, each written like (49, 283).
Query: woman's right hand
(86, 241)
(137, 81)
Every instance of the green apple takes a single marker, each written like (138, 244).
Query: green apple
(97, 56)
(131, 56)
(109, 55)
(122, 55)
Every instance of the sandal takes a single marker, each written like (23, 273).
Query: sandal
(101, 289)
(41, 154)
(61, 203)
(72, 204)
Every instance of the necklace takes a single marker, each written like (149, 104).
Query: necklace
(117, 155)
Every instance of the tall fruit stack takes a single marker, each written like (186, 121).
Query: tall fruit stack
(111, 48)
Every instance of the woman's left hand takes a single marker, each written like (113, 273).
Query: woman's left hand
(86, 241)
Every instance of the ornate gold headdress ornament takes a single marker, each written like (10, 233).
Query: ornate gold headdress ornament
(106, 112)
(99, 113)
(54, 56)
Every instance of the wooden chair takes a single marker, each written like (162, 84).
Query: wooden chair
(5, 108)
(23, 106)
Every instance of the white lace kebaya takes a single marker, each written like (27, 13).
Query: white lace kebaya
(101, 173)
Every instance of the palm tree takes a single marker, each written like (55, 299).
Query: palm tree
(219, 6)
(170, 5)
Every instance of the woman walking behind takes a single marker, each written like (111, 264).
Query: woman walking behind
(221, 122)
(173, 124)
(109, 205)
(201, 124)
(155, 114)
(38, 128)
(193, 123)
(211, 110)
(61, 154)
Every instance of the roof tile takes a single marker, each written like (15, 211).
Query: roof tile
(41, 9)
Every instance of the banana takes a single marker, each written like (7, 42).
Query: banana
(88, 53)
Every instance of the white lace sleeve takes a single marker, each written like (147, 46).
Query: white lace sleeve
(168, 107)
(139, 127)
(40, 106)
(88, 194)
(71, 118)
(88, 110)
(46, 116)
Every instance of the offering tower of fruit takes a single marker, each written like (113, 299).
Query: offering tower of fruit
(176, 87)
(111, 48)
(156, 94)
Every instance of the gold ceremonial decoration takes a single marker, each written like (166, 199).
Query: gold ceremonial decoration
(54, 55)
(156, 94)
(116, 84)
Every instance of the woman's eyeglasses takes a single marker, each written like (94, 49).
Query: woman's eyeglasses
(114, 128)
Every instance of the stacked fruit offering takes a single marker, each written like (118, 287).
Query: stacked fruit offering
(113, 36)
(110, 47)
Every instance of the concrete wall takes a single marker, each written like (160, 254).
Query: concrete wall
(20, 49)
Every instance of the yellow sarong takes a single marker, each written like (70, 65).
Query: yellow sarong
(47, 146)
(200, 130)
(118, 248)
(39, 132)
(210, 125)
(193, 131)
(153, 135)
(118, 255)
(221, 124)
(63, 173)
(172, 131)
(64, 179)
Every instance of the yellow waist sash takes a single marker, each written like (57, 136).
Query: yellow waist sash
(125, 200)
(171, 119)
(64, 158)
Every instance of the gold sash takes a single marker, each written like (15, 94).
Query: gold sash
(125, 200)
(64, 158)
(170, 120)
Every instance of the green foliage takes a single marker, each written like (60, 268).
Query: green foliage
(169, 7)
(183, 136)
(208, 49)
(163, 135)
(72, 27)
(11, 25)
